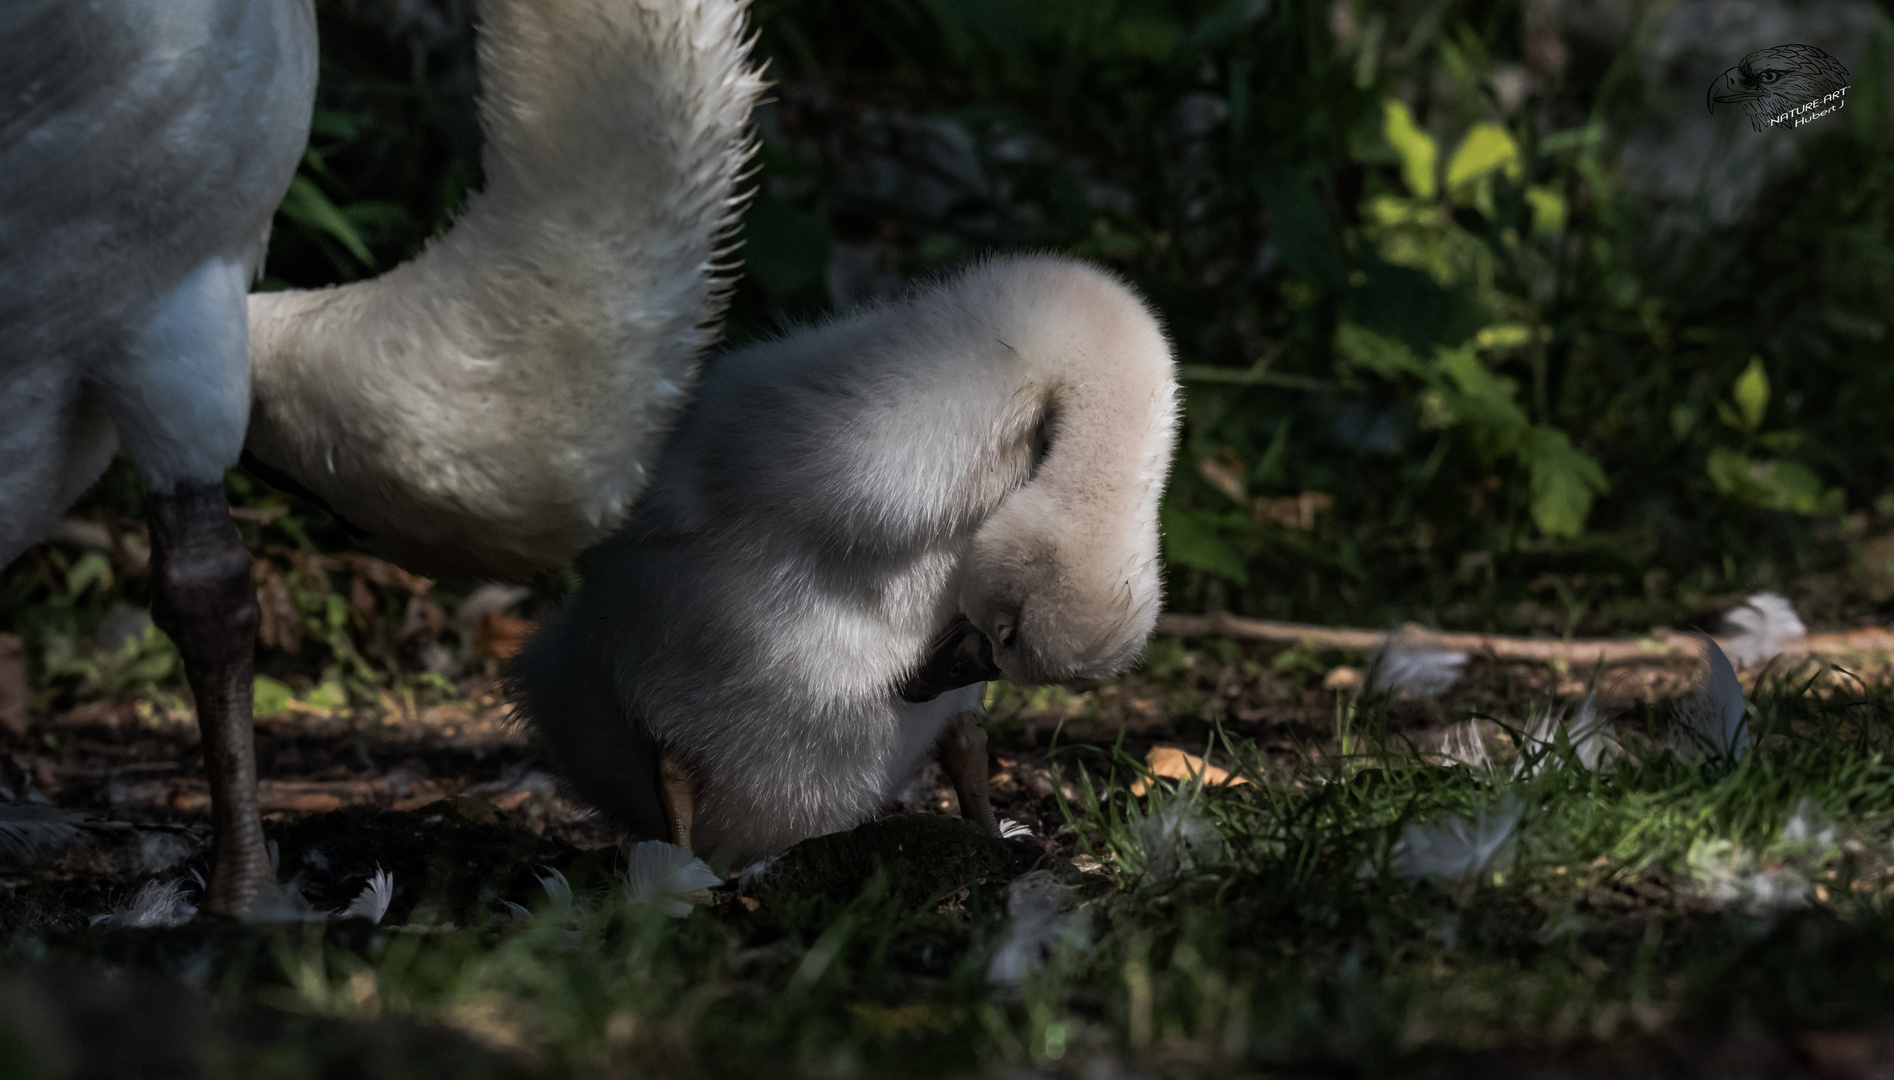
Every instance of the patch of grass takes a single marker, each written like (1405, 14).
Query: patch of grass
(1287, 922)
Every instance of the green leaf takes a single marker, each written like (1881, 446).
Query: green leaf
(1503, 336)
(1548, 209)
(1485, 401)
(1751, 393)
(1683, 418)
(1564, 481)
(329, 694)
(1384, 356)
(306, 205)
(1487, 147)
(92, 568)
(1771, 485)
(1268, 470)
(1194, 538)
(1151, 37)
(1420, 155)
(1407, 303)
(272, 698)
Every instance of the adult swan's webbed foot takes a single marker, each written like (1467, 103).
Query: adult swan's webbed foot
(963, 759)
(203, 597)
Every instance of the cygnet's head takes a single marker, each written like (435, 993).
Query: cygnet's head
(1061, 602)
(1060, 582)
(1062, 578)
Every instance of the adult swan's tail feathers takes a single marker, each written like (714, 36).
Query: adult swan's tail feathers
(491, 407)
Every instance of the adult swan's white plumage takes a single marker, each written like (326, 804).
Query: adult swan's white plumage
(487, 408)
(492, 406)
(850, 521)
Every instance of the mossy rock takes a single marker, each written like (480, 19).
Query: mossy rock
(920, 859)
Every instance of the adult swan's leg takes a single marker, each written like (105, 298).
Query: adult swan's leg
(180, 398)
(203, 597)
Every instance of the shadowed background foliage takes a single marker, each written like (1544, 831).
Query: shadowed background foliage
(1484, 319)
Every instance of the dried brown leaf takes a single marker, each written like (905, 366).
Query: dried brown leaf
(1172, 763)
(499, 637)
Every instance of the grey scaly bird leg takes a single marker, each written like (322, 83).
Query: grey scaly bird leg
(674, 790)
(202, 595)
(963, 759)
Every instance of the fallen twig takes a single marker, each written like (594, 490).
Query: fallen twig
(1658, 646)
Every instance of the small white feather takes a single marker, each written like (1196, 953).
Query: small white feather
(155, 904)
(559, 891)
(372, 902)
(1588, 733)
(1460, 850)
(1759, 626)
(1714, 718)
(283, 903)
(26, 829)
(1040, 916)
(1404, 668)
(668, 876)
(1010, 829)
(1174, 841)
(1462, 744)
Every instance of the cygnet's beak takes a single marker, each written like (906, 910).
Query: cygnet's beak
(960, 656)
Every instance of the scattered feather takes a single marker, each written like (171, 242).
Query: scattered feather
(756, 872)
(372, 902)
(1174, 841)
(1728, 874)
(1405, 668)
(1463, 744)
(1759, 625)
(1588, 734)
(1041, 915)
(1460, 851)
(559, 892)
(26, 829)
(1714, 717)
(283, 903)
(1808, 830)
(517, 912)
(156, 852)
(155, 904)
(668, 876)
(489, 600)
(1010, 829)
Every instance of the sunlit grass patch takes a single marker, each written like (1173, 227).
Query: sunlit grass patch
(1371, 902)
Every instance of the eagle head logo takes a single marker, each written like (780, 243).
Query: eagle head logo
(1770, 82)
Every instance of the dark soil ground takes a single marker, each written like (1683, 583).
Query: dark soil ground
(452, 801)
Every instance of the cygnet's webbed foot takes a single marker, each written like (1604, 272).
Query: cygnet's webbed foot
(203, 596)
(676, 793)
(963, 759)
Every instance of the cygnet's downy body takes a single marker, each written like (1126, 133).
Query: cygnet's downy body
(852, 528)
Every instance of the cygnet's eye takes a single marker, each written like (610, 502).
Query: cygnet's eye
(1003, 629)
